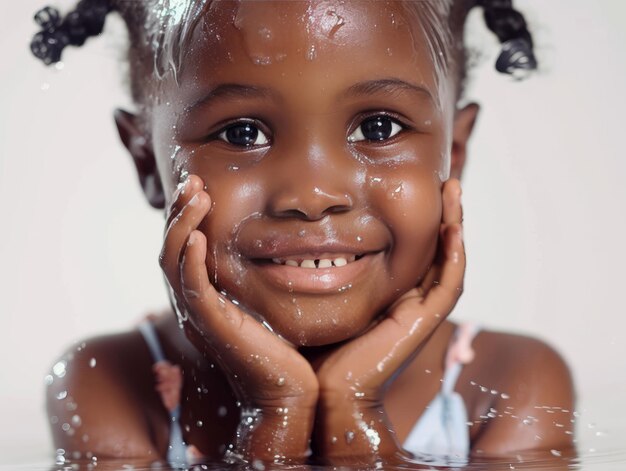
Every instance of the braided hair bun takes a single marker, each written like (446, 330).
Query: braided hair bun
(56, 34)
(517, 56)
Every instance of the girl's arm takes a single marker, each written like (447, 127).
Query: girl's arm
(276, 386)
(535, 418)
(96, 400)
(352, 425)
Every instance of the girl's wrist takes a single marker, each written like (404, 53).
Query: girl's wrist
(353, 429)
(277, 433)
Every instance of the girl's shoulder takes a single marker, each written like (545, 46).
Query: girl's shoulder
(517, 382)
(104, 387)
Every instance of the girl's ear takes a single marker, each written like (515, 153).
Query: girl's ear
(464, 121)
(141, 151)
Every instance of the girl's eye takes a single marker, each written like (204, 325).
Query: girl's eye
(243, 135)
(376, 128)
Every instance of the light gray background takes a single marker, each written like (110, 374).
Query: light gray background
(544, 198)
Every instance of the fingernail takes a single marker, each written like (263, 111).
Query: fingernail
(192, 239)
(195, 200)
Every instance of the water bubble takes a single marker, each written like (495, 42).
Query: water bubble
(373, 437)
(59, 368)
(504, 396)
(61, 395)
(555, 452)
(45, 87)
(65, 427)
(71, 405)
(222, 411)
(54, 419)
(48, 380)
(92, 363)
(265, 33)
(175, 153)
(261, 60)
(349, 436)
(199, 423)
(280, 381)
(76, 420)
(311, 53)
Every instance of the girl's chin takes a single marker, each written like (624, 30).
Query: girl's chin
(318, 334)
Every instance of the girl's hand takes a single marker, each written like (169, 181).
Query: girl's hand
(275, 384)
(351, 421)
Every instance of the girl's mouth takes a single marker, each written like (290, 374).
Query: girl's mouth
(324, 261)
(317, 274)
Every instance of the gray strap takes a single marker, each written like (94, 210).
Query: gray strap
(148, 331)
(451, 375)
(177, 449)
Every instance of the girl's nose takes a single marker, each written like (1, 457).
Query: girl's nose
(311, 202)
(311, 187)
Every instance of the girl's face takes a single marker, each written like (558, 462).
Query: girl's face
(319, 132)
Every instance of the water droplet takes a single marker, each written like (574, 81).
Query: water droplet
(199, 423)
(48, 380)
(265, 33)
(222, 411)
(92, 363)
(311, 53)
(280, 381)
(76, 421)
(555, 452)
(61, 395)
(349, 436)
(59, 368)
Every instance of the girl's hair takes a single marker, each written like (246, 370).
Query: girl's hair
(158, 30)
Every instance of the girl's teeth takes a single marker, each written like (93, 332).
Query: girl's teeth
(318, 263)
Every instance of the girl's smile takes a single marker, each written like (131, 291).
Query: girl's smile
(324, 169)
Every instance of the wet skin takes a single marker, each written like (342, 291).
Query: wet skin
(306, 192)
(308, 159)
(350, 146)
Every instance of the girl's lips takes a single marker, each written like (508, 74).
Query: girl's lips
(312, 275)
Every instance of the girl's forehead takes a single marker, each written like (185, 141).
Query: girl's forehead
(246, 41)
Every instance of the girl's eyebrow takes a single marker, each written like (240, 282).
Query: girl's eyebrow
(230, 91)
(387, 85)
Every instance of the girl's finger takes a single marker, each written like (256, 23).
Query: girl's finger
(234, 336)
(444, 295)
(452, 209)
(177, 234)
(192, 185)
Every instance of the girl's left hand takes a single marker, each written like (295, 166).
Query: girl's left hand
(358, 372)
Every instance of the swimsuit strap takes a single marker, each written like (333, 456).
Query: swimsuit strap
(147, 329)
(177, 449)
(460, 353)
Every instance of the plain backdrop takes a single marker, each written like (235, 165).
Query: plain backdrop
(544, 200)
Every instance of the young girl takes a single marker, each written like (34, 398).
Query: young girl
(308, 157)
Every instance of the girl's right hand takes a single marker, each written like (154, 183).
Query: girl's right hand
(275, 384)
